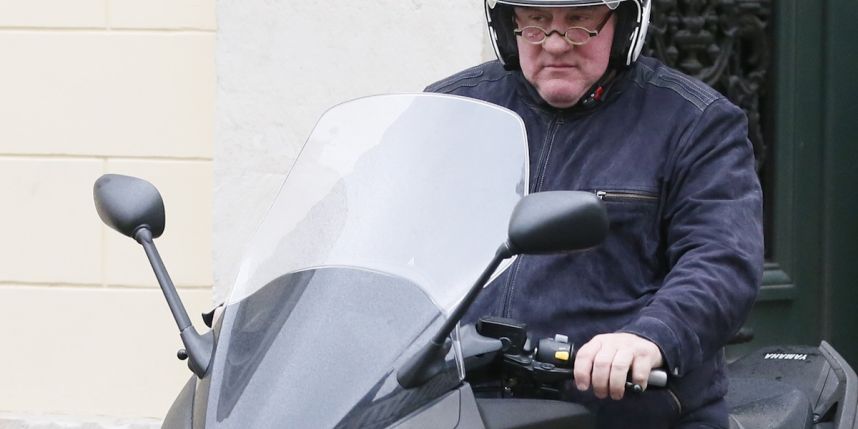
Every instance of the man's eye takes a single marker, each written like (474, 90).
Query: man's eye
(583, 20)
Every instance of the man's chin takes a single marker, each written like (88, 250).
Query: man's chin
(559, 93)
(560, 99)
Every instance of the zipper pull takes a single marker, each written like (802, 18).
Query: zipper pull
(601, 195)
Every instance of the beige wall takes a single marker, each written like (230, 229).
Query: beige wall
(89, 87)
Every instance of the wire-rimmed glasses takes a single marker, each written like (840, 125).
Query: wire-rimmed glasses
(574, 35)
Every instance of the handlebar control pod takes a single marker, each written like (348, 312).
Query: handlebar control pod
(559, 352)
(551, 361)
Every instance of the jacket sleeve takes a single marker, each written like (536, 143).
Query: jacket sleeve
(712, 221)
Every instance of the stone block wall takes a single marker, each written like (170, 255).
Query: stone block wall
(89, 87)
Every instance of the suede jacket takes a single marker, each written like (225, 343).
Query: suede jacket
(683, 260)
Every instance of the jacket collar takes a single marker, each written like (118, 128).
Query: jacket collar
(612, 84)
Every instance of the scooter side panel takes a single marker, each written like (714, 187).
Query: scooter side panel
(440, 414)
(847, 412)
(513, 413)
(470, 416)
(201, 400)
(181, 412)
(456, 410)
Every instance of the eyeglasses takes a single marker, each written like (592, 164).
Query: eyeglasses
(574, 35)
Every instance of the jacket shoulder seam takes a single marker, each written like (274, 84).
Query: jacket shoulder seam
(685, 142)
(692, 91)
(465, 78)
(470, 84)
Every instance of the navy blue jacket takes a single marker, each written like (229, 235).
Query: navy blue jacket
(683, 261)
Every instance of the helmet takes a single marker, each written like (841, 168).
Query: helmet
(629, 33)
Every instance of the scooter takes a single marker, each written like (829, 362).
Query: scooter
(346, 308)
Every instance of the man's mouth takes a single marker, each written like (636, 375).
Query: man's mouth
(558, 66)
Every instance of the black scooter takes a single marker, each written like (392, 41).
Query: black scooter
(345, 312)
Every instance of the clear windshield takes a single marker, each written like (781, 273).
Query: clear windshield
(392, 210)
(418, 186)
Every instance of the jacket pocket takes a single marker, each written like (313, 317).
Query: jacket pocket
(631, 211)
(633, 246)
(626, 196)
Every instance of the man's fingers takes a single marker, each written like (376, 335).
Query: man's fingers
(620, 373)
(602, 371)
(645, 360)
(640, 372)
(608, 361)
(584, 364)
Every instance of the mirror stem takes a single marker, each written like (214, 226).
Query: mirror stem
(429, 360)
(502, 253)
(198, 347)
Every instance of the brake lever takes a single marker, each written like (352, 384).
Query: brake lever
(657, 378)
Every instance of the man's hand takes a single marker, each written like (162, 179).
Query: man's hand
(604, 363)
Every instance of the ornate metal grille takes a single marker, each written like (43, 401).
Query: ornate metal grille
(728, 45)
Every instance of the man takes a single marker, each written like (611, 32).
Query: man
(670, 158)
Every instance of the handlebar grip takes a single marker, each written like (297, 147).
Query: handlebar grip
(657, 378)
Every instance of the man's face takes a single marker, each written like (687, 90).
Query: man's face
(560, 71)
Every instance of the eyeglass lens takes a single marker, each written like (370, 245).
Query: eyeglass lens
(537, 35)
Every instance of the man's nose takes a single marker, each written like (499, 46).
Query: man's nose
(556, 43)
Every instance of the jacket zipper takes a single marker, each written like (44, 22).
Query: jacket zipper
(510, 286)
(536, 186)
(625, 196)
(545, 153)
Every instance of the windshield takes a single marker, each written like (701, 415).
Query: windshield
(392, 210)
(420, 186)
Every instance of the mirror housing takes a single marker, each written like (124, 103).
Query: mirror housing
(557, 221)
(127, 203)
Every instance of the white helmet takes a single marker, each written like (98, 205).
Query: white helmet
(629, 33)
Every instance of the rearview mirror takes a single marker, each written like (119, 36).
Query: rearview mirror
(127, 203)
(134, 207)
(545, 222)
(557, 221)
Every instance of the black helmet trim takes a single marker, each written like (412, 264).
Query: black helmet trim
(557, 3)
(632, 22)
(630, 32)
